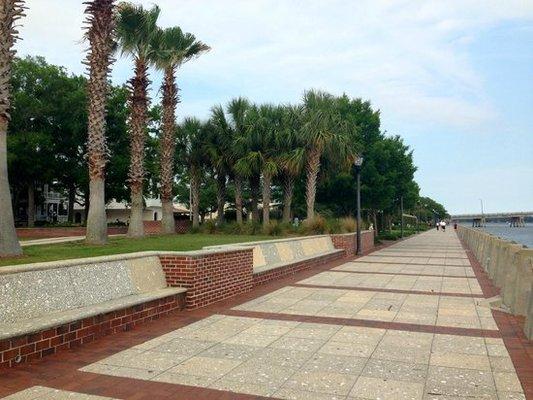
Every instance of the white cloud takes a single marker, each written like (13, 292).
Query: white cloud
(410, 58)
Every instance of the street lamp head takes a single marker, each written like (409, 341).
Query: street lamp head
(358, 161)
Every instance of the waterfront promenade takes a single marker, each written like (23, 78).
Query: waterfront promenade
(409, 321)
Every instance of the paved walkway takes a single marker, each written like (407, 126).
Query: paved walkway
(409, 321)
(61, 239)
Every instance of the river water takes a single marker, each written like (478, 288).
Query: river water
(522, 235)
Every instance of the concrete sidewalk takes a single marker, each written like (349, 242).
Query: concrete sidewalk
(63, 239)
(405, 322)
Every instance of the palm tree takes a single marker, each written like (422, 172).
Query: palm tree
(137, 33)
(191, 145)
(218, 148)
(100, 36)
(173, 49)
(323, 130)
(292, 156)
(237, 109)
(263, 125)
(10, 12)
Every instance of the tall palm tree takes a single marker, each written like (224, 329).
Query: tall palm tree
(173, 49)
(218, 148)
(323, 130)
(10, 12)
(191, 145)
(237, 109)
(263, 125)
(100, 36)
(137, 33)
(292, 156)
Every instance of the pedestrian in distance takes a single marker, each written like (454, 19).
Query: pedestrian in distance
(443, 225)
(437, 224)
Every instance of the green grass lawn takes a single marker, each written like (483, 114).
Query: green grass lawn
(63, 251)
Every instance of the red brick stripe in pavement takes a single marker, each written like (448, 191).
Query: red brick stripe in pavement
(382, 290)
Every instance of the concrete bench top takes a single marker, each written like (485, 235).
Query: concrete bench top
(269, 267)
(272, 254)
(11, 269)
(9, 330)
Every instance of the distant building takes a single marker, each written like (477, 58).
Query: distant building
(119, 212)
(50, 206)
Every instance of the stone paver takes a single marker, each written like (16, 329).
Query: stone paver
(299, 342)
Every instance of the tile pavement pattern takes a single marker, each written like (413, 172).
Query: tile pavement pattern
(407, 322)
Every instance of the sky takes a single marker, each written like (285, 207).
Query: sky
(453, 78)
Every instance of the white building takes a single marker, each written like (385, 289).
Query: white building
(119, 212)
(54, 207)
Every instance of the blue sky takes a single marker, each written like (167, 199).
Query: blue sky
(454, 78)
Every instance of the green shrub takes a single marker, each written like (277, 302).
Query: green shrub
(348, 225)
(333, 225)
(273, 228)
(314, 226)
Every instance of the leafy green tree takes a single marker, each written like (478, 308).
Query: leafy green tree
(48, 131)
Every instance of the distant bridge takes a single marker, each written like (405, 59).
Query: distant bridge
(515, 218)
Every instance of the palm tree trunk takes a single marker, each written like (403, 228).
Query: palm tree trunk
(254, 188)
(312, 167)
(238, 199)
(10, 12)
(267, 180)
(138, 130)
(100, 33)
(195, 197)
(221, 197)
(136, 227)
(288, 190)
(9, 244)
(168, 145)
(31, 205)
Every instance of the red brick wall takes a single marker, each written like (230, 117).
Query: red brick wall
(345, 242)
(50, 232)
(367, 241)
(150, 228)
(211, 277)
(25, 348)
(348, 242)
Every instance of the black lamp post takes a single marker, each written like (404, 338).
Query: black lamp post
(358, 162)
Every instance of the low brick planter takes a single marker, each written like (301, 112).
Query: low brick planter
(211, 276)
(17, 350)
(348, 242)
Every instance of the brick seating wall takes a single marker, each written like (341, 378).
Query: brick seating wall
(348, 242)
(210, 277)
(26, 348)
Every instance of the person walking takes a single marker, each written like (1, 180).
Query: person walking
(443, 225)
(437, 224)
